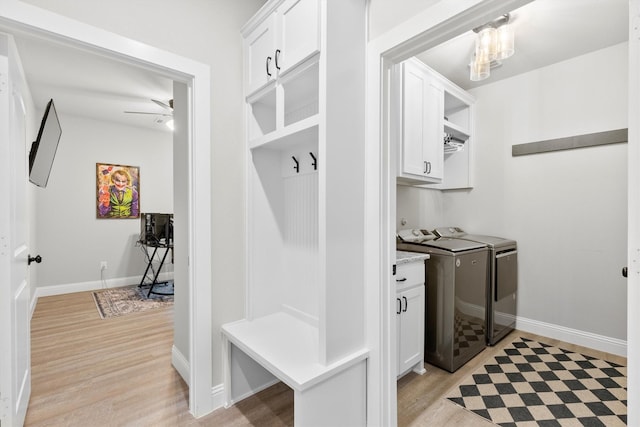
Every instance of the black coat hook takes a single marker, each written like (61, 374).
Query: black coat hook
(297, 166)
(315, 161)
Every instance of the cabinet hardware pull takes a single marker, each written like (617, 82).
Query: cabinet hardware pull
(428, 168)
(406, 304)
(399, 306)
(268, 62)
(31, 259)
(297, 165)
(315, 161)
(404, 279)
(425, 167)
(277, 57)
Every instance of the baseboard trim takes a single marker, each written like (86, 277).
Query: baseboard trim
(573, 336)
(69, 288)
(180, 363)
(217, 396)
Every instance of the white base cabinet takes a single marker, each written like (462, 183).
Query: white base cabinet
(410, 315)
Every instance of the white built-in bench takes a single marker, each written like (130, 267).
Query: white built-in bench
(287, 348)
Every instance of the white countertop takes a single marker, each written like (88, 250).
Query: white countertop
(404, 257)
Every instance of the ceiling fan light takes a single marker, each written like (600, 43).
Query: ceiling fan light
(505, 41)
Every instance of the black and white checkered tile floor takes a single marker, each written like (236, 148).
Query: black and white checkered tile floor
(535, 384)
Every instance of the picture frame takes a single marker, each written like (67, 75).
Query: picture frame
(117, 191)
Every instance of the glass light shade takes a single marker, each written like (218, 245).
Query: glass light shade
(486, 45)
(506, 43)
(478, 70)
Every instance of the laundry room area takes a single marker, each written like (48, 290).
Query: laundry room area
(538, 159)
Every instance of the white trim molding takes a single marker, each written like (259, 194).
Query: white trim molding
(218, 396)
(180, 363)
(573, 336)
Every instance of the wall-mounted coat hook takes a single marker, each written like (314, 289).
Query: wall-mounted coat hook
(297, 165)
(315, 161)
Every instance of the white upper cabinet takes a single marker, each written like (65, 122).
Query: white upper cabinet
(260, 51)
(286, 37)
(299, 25)
(436, 140)
(422, 151)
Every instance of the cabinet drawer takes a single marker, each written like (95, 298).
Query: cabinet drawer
(410, 274)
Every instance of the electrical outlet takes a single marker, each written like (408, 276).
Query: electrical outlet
(103, 265)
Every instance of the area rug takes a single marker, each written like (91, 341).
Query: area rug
(535, 384)
(116, 302)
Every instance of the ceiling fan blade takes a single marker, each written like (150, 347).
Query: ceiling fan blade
(153, 114)
(164, 105)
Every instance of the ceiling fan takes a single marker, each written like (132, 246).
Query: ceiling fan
(168, 106)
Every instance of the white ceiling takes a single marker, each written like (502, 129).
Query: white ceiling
(87, 84)
(546, 32)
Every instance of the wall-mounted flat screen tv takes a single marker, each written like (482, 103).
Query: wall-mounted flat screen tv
(43, 149)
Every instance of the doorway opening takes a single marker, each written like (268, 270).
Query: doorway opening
(386, 52)
(194, 80)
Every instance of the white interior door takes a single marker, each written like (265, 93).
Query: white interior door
(15, 358)
(633, 280)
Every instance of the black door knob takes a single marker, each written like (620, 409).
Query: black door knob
(37, 259)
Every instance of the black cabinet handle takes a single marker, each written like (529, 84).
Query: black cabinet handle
(406, 304)
(277, 57)
(268, 62)
(404, 279)
(399, 306)
(31, 259)
(624, 271)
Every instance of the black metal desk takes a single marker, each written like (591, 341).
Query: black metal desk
(150, 276)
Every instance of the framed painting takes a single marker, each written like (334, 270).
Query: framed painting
(117, 191)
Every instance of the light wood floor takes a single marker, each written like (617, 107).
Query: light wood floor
(117, 372)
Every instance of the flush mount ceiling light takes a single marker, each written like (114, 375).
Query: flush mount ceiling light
(494, 42)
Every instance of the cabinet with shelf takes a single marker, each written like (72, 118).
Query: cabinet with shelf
(437, 130)
(287, 34)
(305, 255)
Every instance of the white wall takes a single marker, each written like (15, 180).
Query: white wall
(69, 237)
(207, 31)
(567, 209)
(386, 14)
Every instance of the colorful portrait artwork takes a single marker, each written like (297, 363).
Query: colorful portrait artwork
(118, 191)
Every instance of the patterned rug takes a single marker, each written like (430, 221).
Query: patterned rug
(116, 302)
(535, 384)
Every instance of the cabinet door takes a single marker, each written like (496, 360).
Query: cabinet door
(411, 331)
(299, 22)
(433, 130)
(260, 49)
(422, 154)
(413, 89)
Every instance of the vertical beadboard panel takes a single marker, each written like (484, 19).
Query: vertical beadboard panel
(301, 244)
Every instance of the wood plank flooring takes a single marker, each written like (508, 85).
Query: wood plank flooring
(87, 371)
